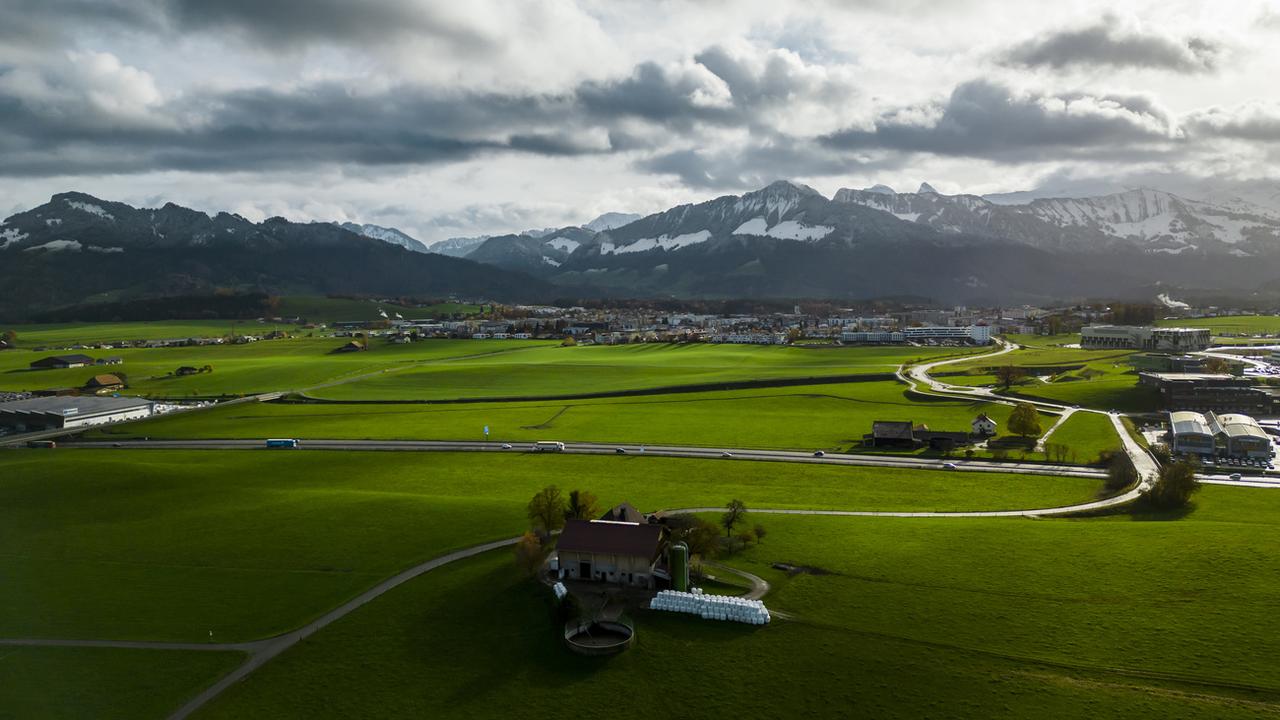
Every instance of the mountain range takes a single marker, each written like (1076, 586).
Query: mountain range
(789, 240)
(782, 241)
(77, 248)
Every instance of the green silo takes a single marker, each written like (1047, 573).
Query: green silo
(680, 567)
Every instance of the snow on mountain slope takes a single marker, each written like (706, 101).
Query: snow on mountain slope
(611, 220)
(662, 242)
(1150, 220)
(386, 234)
(457, 246)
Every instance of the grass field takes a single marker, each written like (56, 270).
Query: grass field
(1112, 617)
(64, 334)
(830, 417)
(561, 371)
(443, 369)
(1087, 434)
(167, 545)
(1233, 325)
(101, 683)
(245, 369)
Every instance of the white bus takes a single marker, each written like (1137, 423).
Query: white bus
(548, 446)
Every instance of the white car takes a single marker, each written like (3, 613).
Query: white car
(726, 454)
(1234, 476)
(506, 446)
(948, 466)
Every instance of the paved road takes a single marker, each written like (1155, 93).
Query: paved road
(580, 448)
(1146, 465)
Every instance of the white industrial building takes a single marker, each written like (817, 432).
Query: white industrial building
(978, 334)
(65, 413)
(1230, 434)
(1125, 337)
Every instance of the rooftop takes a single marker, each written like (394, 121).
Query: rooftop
(613, 538)
(74, 405)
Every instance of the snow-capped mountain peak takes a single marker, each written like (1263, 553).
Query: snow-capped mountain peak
(926, 188)
(611, 220)
(385, 234)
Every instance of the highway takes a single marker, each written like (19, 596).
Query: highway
(581, 448)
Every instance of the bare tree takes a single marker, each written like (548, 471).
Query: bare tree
(734, 513)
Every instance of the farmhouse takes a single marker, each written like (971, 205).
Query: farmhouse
(623, 553)
(62, 362)
(984, 426)
(113, 360)
(60, 413)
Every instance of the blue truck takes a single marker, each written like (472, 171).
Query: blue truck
(288, 443)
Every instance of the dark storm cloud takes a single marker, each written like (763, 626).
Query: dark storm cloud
(651, 93)
(277, 23)
(1105, 45)
(753, 166)
(39, 23)
(988, 120)
(268, 129)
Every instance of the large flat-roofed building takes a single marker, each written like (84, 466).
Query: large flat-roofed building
(977, 334)
(65, 413)
(1230, 434)
(1209, 392)
(1128, 337)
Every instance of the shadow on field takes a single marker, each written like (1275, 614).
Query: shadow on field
(1144, 512)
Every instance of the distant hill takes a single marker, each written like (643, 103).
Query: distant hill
(77, 248)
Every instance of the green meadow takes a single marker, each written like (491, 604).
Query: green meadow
(447, 369)
(550, 371)
(1231, 324)
(168, 545)
(828, 417)
(56, 683)
(264, 366)
(1114, 617)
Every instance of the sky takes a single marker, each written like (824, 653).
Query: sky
(481, 117)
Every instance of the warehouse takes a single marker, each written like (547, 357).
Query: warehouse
(65, 413)
(1228, 434)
